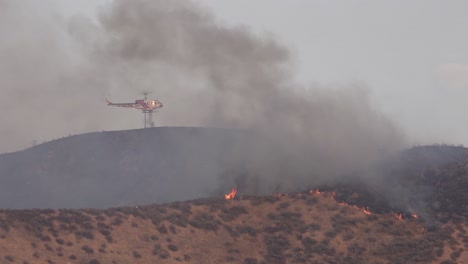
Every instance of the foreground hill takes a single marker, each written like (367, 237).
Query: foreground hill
(309, 227)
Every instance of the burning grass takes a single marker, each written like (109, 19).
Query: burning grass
(287, 228)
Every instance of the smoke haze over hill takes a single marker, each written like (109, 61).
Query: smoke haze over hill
(205, 73)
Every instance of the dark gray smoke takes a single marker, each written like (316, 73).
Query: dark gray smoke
(212, 75)
(205, 73)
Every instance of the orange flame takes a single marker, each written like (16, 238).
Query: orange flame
(415, 216)
(316, 191)
(231, 194)
(366, 211)
(399, 216)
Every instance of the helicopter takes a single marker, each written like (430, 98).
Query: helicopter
(145, 105)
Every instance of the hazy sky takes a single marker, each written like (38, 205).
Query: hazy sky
(412, 56)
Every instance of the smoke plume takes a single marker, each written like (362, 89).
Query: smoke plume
(213, 75)
(205, 73)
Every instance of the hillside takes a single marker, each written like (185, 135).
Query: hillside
(309, 227)
(108, 169)
(410, 208)
(168, 164)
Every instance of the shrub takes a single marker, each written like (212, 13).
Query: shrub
(447, 262)
(162, 229)
(100, 218)
(136, 255)
(372, 217)
(229, 214)
(255, 201)
(386, 223)
(299, 257)
(330, 234)
(356, 249)
(45, 238)
(87, 249)
(348, 236)
(245, 229)
(287, 221)
(308, 243)
(94, 261)
(117, 221)
(109, 239)
(87, 226)
(230, 259)
(323, 248)
(172, 247)
(455, 255)
(103, 226)
(231, 231)
(177, 219)
(314, 227)
(47, 247)
(283, 205)
(276, 245)
(85, 234)
(312, 200)
(164, 255)
(10, 258)
(404, 250)
(185, 208)
(272, 229)
(271, 199)
(172, 229)
(157, 250)
(104, 232)
(204, 221)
